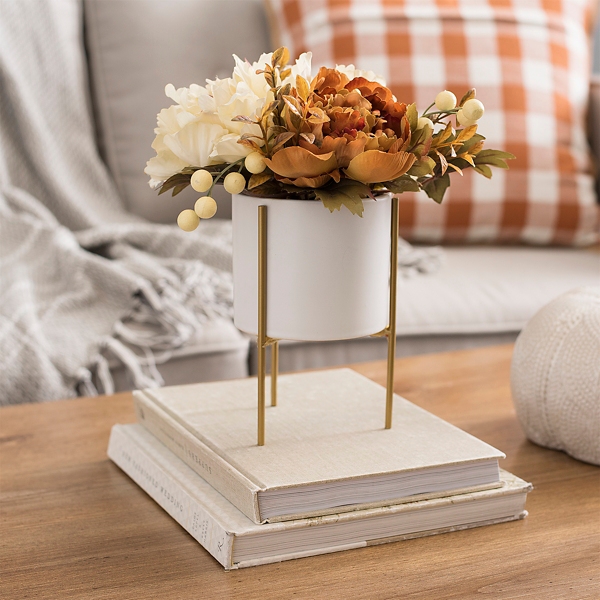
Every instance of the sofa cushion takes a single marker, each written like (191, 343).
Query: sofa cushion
(487, 290)
(480, 296)
(530, 63)
(218, 351)
(135, 48)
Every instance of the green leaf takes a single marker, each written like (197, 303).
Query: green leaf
(179, 188)
(443, 162)
(281, 140)
(403, 184)
(466, 156)
(491, 160)
(496, 154)
(466, 134)
(293, 104)
(436, 188)
(259, 178)
(302, 87)
(472, 142)
(280, 57)
(422, 167)
(461, 163)
(444, 135)
(413, 116)
(484, 170)
(268, 189)
(174, 181)
(457, 169)
(348, 193)
(244, 119)
(470, 94)
(421, 141)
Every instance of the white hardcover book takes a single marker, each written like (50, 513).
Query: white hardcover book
(236, 542)
(326, 449)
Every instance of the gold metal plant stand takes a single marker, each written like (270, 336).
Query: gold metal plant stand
(264, 341)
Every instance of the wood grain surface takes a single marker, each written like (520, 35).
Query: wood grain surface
(74, 526)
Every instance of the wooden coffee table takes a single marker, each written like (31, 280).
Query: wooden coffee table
(74, 526)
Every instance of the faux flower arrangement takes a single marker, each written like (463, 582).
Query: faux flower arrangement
(272, 131)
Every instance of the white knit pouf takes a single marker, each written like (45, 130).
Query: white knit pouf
(555, 375)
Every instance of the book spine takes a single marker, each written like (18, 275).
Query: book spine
(237, 488)
(170, 496)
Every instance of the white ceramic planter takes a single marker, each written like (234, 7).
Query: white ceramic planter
(327, 274)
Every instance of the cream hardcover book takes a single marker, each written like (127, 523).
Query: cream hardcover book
(326, 449)
(235, 541)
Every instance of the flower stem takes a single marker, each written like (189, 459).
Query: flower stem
(425, 111)
(241, 160)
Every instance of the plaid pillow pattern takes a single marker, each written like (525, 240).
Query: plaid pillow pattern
(530, 63)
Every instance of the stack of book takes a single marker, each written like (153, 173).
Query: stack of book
(329, 477)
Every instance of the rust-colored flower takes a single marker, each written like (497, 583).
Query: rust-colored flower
(343, 148)
(383, 103)
(375, 166)
(310, 182)
(300, 167)
(298, 162)
(371, 89)
(344, 120)
(393, 112)
(328, 81)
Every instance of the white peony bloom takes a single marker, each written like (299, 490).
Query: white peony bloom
(246, 72)
(220, 90)
(187, 98)
(162, 166)
(227, 150)
(198, 129)
(243, 102)
(173, 119)
(207, 103)
(194, 142)
(351, 72)
(301, 67)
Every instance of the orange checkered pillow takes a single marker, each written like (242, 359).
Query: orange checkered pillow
(530, 63)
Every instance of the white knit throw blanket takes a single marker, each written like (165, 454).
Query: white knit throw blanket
(76, 270)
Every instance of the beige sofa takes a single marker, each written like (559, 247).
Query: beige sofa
(480, 295)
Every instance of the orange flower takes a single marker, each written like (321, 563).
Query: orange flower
(313, 182)
(371, 89)
(374, 166)
(299, 162)
(344, 150)
(300, 167)
(344, 120)
(382, 101)
(328, 81)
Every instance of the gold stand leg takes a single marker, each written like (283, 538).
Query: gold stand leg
(391, 330)
(263, 341)
(262, 319)
(274, 371)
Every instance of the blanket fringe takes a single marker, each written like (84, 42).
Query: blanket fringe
(132, 362)
(170, 313)
(85, 386)
(164, 317)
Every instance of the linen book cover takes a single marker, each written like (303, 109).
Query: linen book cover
(326, 449)
(235, 541)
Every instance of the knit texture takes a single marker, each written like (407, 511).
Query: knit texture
(555, 375)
